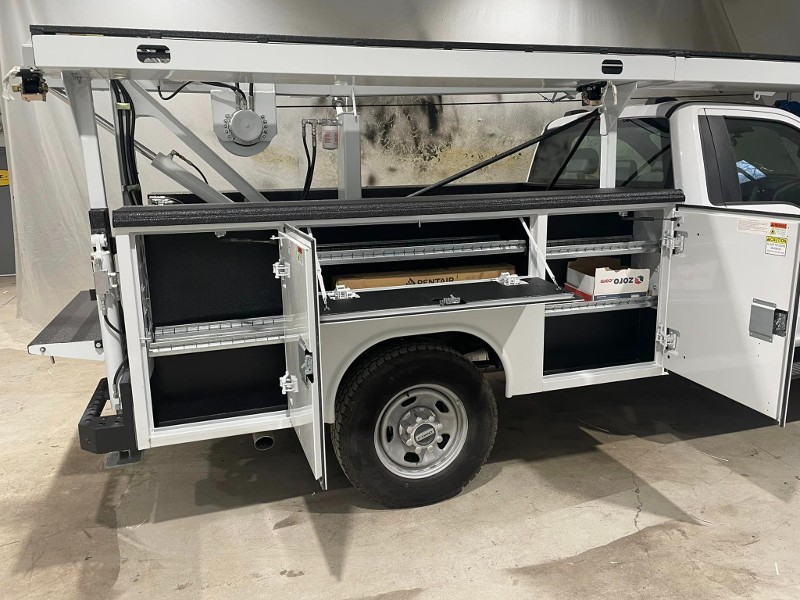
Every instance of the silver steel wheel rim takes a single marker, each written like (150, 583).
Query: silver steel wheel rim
(433, 419)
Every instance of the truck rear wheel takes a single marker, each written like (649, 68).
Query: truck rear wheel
(414, 424)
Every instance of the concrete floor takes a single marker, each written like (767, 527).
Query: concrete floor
(649, 489)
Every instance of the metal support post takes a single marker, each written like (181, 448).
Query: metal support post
(349, 155)
(79, 91)
(615, 99)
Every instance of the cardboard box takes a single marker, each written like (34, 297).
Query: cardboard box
(417, 276)
(604, 278)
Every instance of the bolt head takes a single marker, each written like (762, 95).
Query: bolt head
(410, 443)
(439, 427)
(418, 450)
(431, 419)
(430, 448)
(439, 439)
(419, 419)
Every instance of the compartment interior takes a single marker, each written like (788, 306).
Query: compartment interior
(412, 234)
(198, 277)
(187, 388)
(593, 340)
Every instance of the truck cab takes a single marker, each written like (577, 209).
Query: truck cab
(721, 155)
(726, 156)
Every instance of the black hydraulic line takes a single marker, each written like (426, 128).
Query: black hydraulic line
(575, 145)
(123, 146)
(310, 176)
(237, 90)
(130, 116)
(111, 326)
(190, 163)
(490, 161)
(173, 94)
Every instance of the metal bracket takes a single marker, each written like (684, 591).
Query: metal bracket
(667, 338)
(615, 99)
(288, 384)
(342, 292)
(451, 300)
(106, 284)
(510, 279)
(281, 269)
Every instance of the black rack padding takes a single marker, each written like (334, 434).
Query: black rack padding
(199, 277)
(78, 321)
(314, 211)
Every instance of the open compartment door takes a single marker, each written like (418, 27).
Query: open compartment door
(302, 382)
(732, 305)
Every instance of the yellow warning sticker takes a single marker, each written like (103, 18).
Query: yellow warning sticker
(776, 246)
(4, 180)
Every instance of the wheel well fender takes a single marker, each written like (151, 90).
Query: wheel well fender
(461, 340)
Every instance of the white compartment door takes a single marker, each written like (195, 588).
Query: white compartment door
(302, 382)
(732, 305)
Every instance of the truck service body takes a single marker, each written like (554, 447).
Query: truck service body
(219, 314)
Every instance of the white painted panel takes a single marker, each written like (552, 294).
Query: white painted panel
(301, 327)
(724, 267)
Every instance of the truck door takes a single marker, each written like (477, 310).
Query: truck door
(731, 305)
(302, 382)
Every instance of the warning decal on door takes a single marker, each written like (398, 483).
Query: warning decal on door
(776, 246)
(777, 239)
(758, 226)
(779, 229)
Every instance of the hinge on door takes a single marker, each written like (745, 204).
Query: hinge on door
(288, 384)
(667, 339)
(342, 292)
(510, 279)
(281, 269)
(675, 243)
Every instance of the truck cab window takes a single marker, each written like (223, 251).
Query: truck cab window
(644, 159)
(767, 157)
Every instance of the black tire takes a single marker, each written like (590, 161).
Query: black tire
(370, 385)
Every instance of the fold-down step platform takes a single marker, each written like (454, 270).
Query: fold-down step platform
(436, 298)
(74, 333)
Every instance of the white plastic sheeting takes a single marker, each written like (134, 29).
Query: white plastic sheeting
(46, 165)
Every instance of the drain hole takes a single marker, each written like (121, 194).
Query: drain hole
(442, 407)
(389, 434)
(411, 457)
(445, 439)
(409, 401)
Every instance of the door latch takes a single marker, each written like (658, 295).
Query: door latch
(767, 320)
(288, 384)
(281, 269)
(667, 339)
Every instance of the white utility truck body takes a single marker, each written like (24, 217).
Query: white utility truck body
(222, 313)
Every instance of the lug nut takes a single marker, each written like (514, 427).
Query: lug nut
(419, 419)
(410, 443)
(430, 448)
(431, 419)
(439, 439)
(439, 426)
(418, 450)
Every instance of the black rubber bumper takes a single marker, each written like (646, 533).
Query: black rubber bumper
(102, 434)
